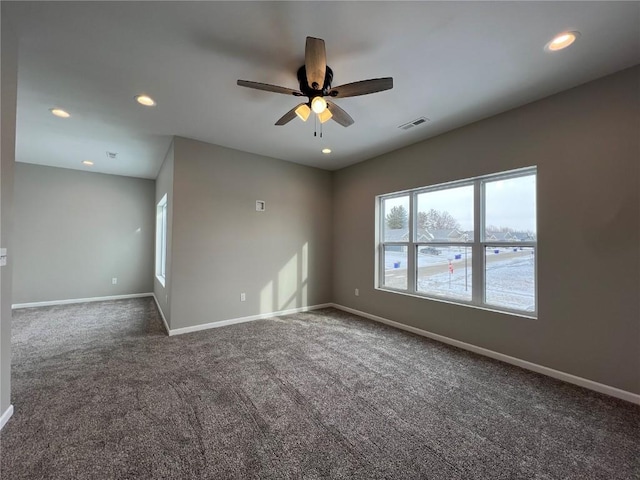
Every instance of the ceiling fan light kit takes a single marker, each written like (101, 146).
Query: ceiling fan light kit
(315, 79)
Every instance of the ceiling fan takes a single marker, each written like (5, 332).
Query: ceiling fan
(315, 79)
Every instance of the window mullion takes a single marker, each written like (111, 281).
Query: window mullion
(380, 245)
(411, 249)
(477, 253)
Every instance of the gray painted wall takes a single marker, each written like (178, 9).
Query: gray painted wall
(221, 246)
(585, 144)
(76, 230)
(9, 89)
(164, 185)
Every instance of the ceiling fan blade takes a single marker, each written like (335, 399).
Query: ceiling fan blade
(287, 117)
(315, 62)
(269, 88)
(363, 87)
(339, 115)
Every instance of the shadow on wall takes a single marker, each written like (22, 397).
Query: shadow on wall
(289, 290)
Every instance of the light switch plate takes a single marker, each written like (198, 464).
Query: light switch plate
(261, 205)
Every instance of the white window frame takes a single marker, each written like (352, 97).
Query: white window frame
(161, 240)
(478, 244)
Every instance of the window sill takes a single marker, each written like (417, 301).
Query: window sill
(514, 313)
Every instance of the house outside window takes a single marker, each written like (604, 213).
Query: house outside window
(472, 242)
(161, 240)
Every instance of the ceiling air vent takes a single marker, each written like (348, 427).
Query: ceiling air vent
(414, 123)
(112, 155)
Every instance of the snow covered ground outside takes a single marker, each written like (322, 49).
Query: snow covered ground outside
(510, 275)
(511, 283)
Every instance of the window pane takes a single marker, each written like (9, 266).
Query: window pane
(395, 266)
(445, 215)
(510, 277)
(395, 221)
(510, 209)
(163, 241)
(444, 271)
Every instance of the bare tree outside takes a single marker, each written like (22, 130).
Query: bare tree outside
(437, 220)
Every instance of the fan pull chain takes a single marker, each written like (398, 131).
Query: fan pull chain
(315, 126)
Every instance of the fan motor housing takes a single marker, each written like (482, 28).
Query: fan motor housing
(311, 92)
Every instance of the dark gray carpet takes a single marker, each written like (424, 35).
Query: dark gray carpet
(101, 393)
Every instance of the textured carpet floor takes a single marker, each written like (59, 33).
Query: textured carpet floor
(101, 393)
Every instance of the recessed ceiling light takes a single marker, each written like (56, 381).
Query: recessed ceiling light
(326, 150)
(58, 112)
(145, 100)
(87, 162)
(562, 40)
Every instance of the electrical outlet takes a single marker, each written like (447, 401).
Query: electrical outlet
(357, 292)
(114, 281)
(243, 297)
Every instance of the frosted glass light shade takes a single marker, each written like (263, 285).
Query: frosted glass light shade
(318, 105)
(303, 111)
(325, 115)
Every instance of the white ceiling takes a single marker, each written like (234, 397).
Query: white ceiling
(452, 62)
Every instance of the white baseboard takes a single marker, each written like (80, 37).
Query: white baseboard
(164, 320)
(79, 300)
(550, 372)
(6, 416)
(233, 321)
